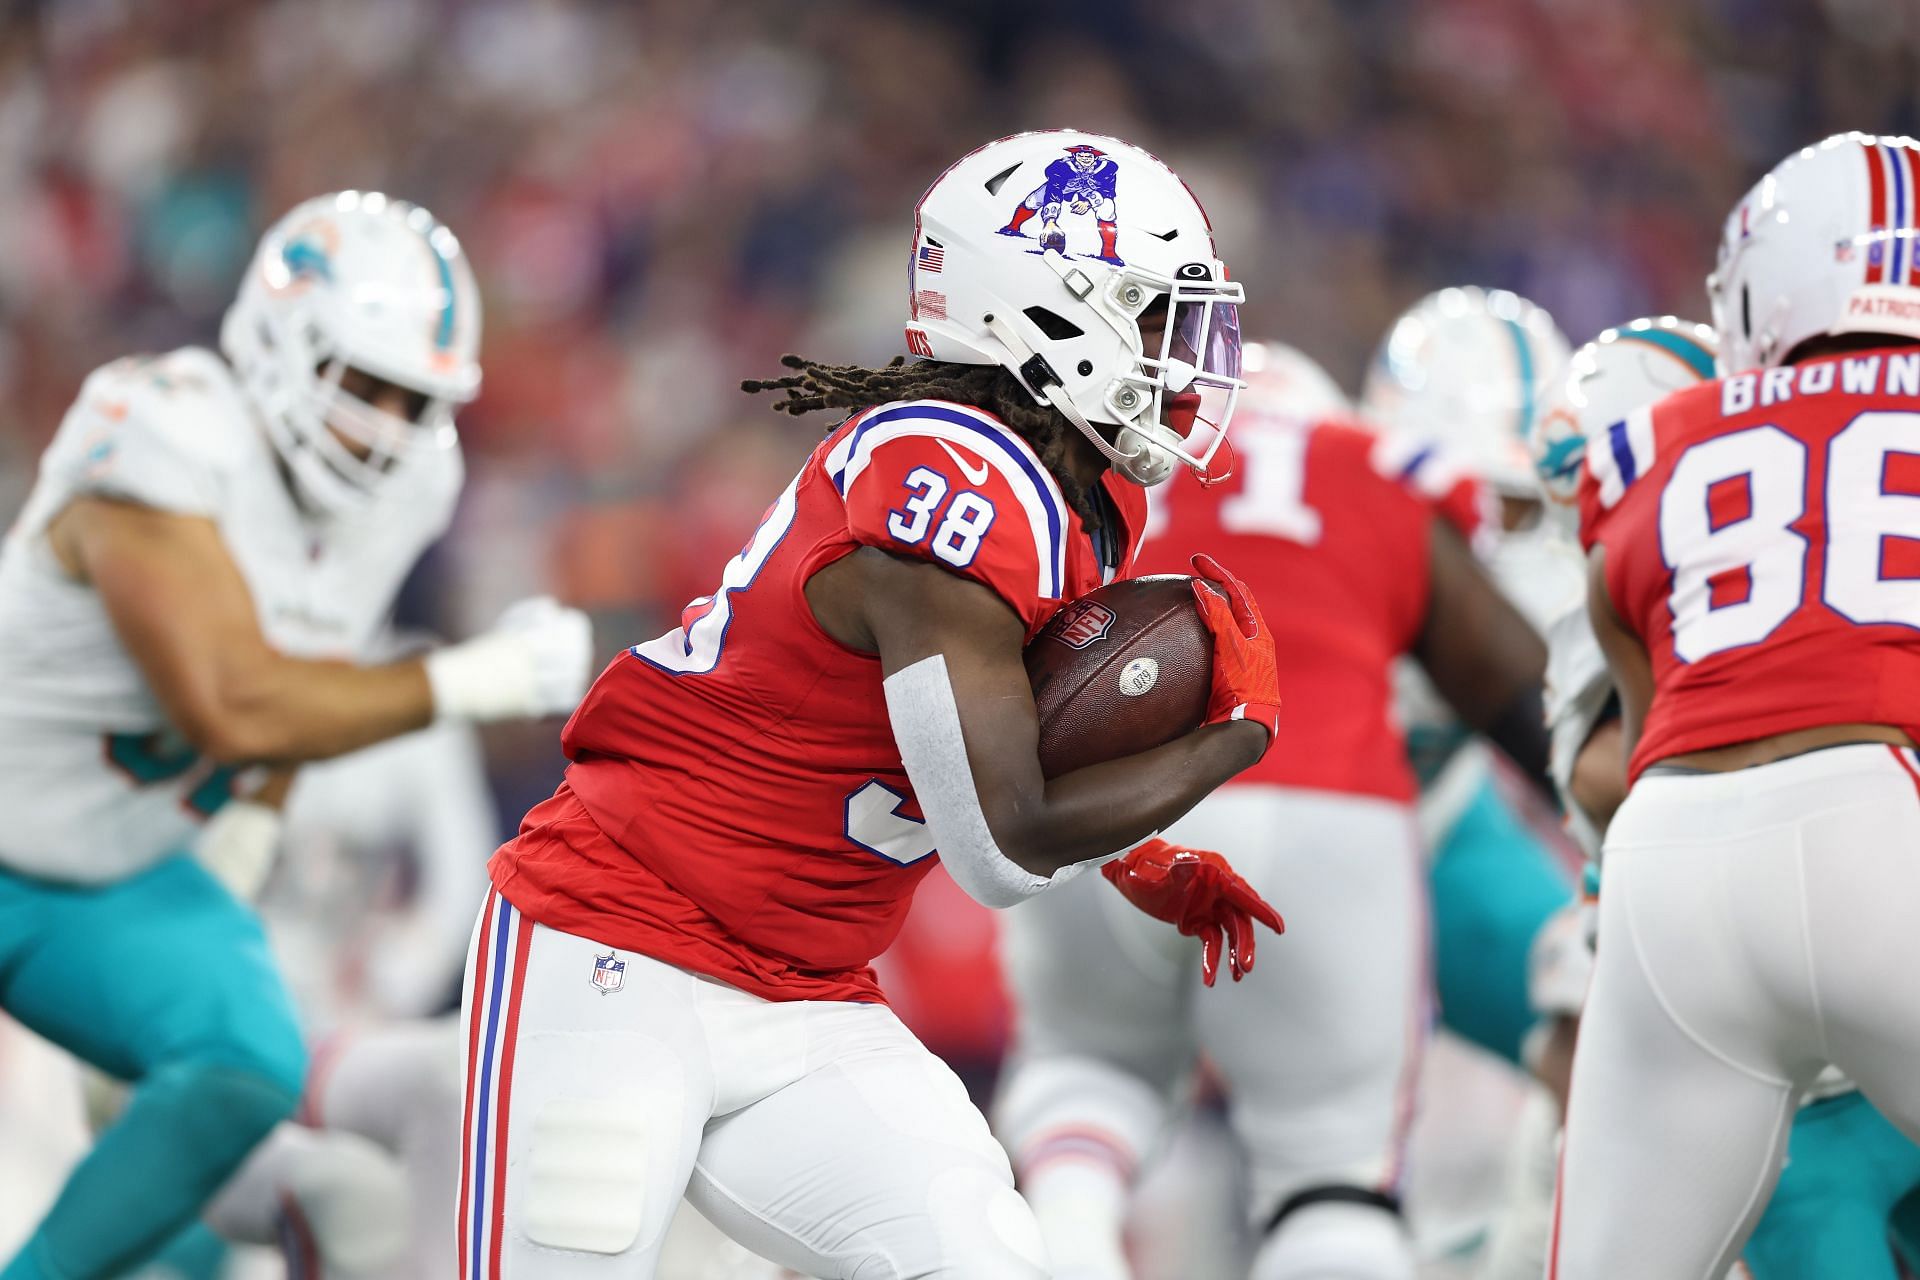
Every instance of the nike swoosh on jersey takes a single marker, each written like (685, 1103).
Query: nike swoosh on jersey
(975, 474)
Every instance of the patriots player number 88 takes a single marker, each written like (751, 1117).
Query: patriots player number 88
(1727, 530)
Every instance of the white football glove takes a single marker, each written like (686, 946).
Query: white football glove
(534, 662)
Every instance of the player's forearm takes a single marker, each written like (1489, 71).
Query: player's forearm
(1103, 808)
(286, 710)
(1599, 781)
(1517, 724)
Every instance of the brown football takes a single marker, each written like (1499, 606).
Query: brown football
(1123, 669)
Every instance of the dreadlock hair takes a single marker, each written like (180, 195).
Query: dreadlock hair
(984, 386)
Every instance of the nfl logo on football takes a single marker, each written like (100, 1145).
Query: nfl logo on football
(1082, 623)
(608, 973)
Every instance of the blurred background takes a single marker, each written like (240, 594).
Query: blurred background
(660, 198)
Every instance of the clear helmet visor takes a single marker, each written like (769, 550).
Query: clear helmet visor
(1199, 373)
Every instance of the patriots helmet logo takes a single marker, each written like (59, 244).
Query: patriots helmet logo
(1082, 183)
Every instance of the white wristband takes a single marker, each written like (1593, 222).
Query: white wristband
(485, 678)
(534, 662)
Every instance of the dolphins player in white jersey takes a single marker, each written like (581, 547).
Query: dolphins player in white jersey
(1458, 380)
(209, 549)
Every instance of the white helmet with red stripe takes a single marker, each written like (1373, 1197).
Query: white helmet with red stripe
(1827, 243)
(1039, 252)
(1619, 373)
(1469, 368)
(355, 281)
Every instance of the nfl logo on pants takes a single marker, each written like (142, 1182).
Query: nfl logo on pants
(608, 973)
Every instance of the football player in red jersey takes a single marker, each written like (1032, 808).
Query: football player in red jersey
(1319, 1054)
(669, 990)
(1753, 587)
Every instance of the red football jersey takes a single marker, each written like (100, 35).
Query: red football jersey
(1329, 526)
(736, 804)
(1762, 538)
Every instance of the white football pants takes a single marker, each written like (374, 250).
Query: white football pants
(1755, 926)
(1319, 1045)
(820, 1134)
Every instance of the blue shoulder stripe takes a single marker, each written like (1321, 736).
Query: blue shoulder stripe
(1622, 453)
(1007, 446)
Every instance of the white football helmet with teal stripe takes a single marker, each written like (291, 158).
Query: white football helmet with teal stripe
(1619, 372)
(354, 281)
(1469, 368)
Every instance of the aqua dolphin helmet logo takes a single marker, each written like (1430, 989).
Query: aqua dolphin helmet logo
(1559, 452)
(1563, 459)
(307, 259)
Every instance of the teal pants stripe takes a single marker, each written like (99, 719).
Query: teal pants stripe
(1494, 883)
(166, 981)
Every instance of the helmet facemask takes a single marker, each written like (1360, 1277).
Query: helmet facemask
(340, 448)
(362, 442)
(1170, 407)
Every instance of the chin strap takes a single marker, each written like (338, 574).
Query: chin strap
(1213, 475)
(1044, 382)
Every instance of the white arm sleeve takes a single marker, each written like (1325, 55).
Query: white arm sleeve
(926, 726)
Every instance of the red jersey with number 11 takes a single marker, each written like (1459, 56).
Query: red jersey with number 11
(1762, 538)
(736, 804)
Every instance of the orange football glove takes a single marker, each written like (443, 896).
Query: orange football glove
(1246, 678)
(1197, 893)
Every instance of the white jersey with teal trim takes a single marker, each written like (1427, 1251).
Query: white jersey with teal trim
(95, 783)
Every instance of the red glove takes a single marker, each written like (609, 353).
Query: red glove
(1197, 893)
(1246, 679)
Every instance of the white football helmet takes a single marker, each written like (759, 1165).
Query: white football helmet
(1619, 372)
(1285, 381)
(354, 280)
(1039, 253)
(1469, 368)
(1825, 244)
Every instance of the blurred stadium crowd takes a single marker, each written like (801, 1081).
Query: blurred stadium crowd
(660, 198)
